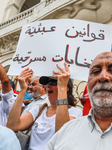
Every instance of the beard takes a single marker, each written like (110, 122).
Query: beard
(35, 95)
(101, 101)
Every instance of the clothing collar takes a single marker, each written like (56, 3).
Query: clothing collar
(41, 97)
(91, 119)
(93, 123)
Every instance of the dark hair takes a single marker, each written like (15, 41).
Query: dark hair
(70, 86)
(70, 97)
(12, 84)
(71, 100)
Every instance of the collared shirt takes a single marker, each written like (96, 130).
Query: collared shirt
(41, 100)
(81, 134)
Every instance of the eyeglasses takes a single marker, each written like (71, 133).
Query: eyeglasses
(53, 82)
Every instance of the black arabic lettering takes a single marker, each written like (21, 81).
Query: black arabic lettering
(37, 30)
(30, 32)
(44, 58)
(87, 65)
(101, 37)
(35, 59)
(21, 59)
(70, 36)
(52, 29)
(80, 34)
(66, 56)
(57, 59)
(88, 30)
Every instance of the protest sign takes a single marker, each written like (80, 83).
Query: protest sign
(43, 44)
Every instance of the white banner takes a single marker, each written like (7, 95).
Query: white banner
(43, 44)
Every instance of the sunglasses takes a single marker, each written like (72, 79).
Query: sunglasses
(53, 82)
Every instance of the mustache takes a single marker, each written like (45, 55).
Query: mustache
(102, 86)
(31, 90)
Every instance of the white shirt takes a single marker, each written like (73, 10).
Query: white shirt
(41, 100)
(6, 104)
(44, 127)
(81, 134)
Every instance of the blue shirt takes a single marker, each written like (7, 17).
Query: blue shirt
(27, 96)
(8, 139)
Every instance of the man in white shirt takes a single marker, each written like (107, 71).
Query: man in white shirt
(38, 93)
(7, 98)
(92, 132)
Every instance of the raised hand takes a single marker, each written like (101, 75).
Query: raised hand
(63, 76)
(23, 78)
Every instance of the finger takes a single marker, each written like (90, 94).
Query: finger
(66, 74)
(57, 72)
(61, 75)
(66, 67)
(56, 76)
(24, 77)
(25, 71)
(60, 68)
(28, 72)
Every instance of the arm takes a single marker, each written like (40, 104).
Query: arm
(62, 115)
(15, 122)
(26, 101)
(16, 82)
(4, 80)
(82, 100)
(7, 98)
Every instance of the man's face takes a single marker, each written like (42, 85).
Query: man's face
(35, 88)
(100, 84)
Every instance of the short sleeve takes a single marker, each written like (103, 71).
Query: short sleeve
(35, 110)
(75, 112)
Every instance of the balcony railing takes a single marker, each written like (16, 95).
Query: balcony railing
(38, 12)
(17, 18)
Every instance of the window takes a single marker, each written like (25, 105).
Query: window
(28, 4)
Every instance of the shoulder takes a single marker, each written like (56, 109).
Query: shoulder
(46, 99)
(8, 137)
(74, 109)
(6, 131)
(74, 124)
(35, 110)
(75, 112)
(45, 96)
(69, 131)
(9, 94)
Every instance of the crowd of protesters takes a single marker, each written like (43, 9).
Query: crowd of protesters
(61, 121)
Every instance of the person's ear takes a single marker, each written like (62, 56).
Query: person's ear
(67, 89)
(43, 87)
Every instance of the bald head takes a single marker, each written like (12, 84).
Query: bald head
(101, 56)
(100, 84)
(101, 61)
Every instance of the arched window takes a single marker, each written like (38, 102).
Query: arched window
(28, 4)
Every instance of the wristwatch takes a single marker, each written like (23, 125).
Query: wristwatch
(61, 102)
